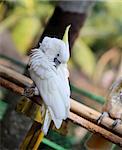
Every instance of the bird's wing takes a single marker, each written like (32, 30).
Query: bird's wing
(51, 86)
(39, 60)
(64, 75)
(54, 96)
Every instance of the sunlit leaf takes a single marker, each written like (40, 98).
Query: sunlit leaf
(8, 22)
(84, 57)
(24, 32)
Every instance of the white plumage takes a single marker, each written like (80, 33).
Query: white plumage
(51, 79)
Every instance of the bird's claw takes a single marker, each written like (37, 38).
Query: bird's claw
(116, 123)
(29, 92)
(36, 91)
(104, 114)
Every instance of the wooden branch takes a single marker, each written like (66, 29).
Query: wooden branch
(76, 107)
(92, 115)
(95, 128)
(15, 77)
(11, 86)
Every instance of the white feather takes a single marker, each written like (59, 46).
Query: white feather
(47, 122)
(53, 86)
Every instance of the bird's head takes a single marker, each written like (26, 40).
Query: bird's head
(55, 49)
(64, 48)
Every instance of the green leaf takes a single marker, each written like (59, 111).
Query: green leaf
(24, 32)
(84, 57)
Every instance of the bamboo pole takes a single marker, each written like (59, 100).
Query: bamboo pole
(95, 128)
(15, 77)
(11, 86)
(76, 107)
(93, 115)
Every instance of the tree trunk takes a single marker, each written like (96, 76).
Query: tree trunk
(67, 13)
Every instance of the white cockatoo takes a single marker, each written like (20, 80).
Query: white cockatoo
(48, 70)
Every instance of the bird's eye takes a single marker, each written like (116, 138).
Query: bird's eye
(57, 54)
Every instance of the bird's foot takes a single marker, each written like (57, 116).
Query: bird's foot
(30, 92)
(36, 91)
(104, 114)
(116, 123)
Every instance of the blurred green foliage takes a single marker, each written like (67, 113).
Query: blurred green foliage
(3, 108)
(102, 30)
(26, 20)
(86, 59)
(103, 27)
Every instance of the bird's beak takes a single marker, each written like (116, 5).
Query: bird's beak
(57, 62)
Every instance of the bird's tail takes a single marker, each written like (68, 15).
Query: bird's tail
(97, 142)
(47, 122)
